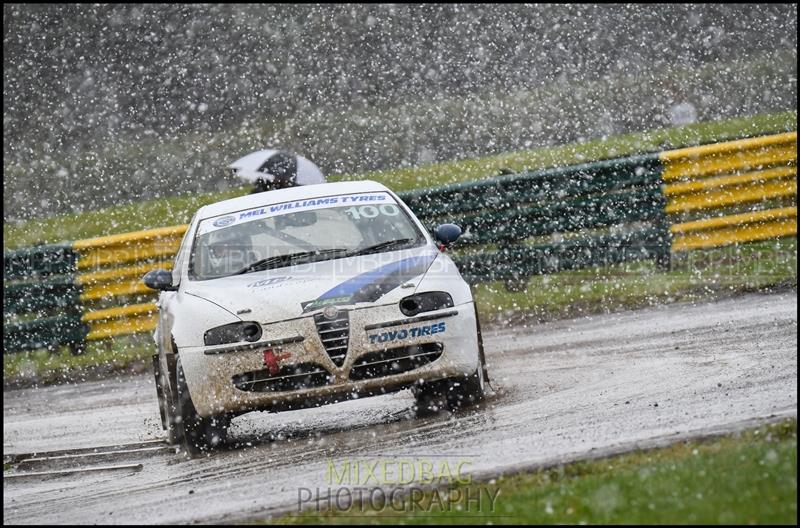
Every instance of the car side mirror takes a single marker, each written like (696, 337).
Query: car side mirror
(446, 234)
(159, 279)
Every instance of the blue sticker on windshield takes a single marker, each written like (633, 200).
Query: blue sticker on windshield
(224, 221)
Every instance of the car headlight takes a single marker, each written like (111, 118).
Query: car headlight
(425, 302)
(232, 333)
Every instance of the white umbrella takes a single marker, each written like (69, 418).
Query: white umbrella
(269, 164)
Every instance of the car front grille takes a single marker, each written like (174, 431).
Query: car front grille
(289, 378)
(335, 335)
(394, 361)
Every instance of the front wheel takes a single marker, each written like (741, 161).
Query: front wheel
(468, 390)
(166, 401)
(451, 394)
(200, 434)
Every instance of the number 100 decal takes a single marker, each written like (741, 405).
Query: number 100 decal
(371, 211)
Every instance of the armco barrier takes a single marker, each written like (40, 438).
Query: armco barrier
(585, 201)
(633, 208)
(39, 261)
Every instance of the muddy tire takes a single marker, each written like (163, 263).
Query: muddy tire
(167, 405)
(450, 394)
(160, 381)
(174, 431)
(470, 390)
(465, 391)
(200, 434)
(431, 398)
(481, 353)
(454, 393)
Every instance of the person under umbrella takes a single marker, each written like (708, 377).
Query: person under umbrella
(269, 169)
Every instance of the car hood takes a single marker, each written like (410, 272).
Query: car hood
(288, 292)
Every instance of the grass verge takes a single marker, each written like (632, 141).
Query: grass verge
(179, 209)
(743, 478)
(694, 276)
(102, 359)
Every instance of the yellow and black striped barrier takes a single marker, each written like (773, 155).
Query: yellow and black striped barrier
(76, 279)
(711, 181)
(130, 256)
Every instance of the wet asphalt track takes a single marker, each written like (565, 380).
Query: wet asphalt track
(565, 390)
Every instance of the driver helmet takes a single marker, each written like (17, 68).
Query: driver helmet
(229, 248)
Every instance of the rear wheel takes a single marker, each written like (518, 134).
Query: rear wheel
(200, 434)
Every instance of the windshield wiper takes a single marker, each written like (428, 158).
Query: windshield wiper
(381, 246)
(267, 263)
(276, 261)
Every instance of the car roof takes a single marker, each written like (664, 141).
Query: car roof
(287, 195)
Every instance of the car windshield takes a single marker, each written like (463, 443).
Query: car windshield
(303, 231)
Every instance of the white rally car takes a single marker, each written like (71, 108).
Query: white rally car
(306, 296)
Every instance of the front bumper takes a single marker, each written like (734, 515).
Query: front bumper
(213, 373)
